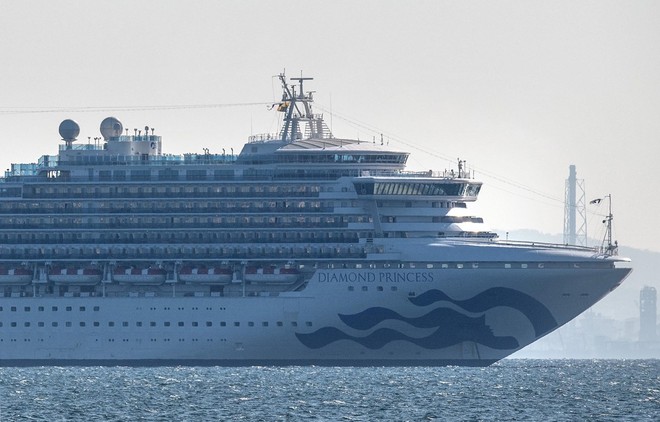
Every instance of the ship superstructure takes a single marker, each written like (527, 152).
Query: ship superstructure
(303, 248)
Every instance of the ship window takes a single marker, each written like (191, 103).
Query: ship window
(26, 309)
(166, 323)
(250, 324)
(237, 324)
(41, 308)
(280, 323)
(96, 308)
(379, 288)
(82, 309)
(294, 324)
(40, 324)
(111, 323)
(68, 323)
(96, 323)
(13, 324)
(138, 324)
(209, 323)
(223, 324)
(27, 324)
(180, 323)
(195, 323)
(54, 324)
(264, 324)
(82, 323)
(152, 324)
(69, 308)
(13, 309)
(308, 323)
(365, 288)
(351, 288)
(124, 324)
(394, 288)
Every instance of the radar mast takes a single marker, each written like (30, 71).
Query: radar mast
(608, 247)
(299, 115)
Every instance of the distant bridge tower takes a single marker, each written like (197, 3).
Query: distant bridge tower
(575, 210)
(647, 314)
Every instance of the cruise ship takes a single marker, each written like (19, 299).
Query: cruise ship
(304, 249)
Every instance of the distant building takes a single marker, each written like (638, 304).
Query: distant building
(647, 314)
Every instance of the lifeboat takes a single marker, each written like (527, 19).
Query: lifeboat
(271, 275)
(15, 276)
(81, 276)
(136, 275)
(205, 275)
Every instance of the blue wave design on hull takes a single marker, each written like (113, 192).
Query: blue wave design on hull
(452, 329)
(371, 317)
(540, 317)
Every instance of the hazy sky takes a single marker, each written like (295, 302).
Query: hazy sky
(519, 89)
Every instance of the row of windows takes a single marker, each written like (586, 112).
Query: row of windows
(124, 340)
(168, 191)
(186, 206)
(229, 173)
(27, 324)
(96, 308)
(179, 221)
(392, 158)
(206, 236)
(424, 188)
(378, 288)
(321, 249)
(52, 308)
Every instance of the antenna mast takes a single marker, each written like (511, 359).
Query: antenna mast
(300, 117)
(611, 248)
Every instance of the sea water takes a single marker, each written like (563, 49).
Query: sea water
(547, 390)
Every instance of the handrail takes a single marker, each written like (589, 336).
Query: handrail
(546, 245)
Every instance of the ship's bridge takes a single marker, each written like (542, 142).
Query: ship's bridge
(417, 185)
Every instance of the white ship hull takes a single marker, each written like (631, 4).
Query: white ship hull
(472, 315)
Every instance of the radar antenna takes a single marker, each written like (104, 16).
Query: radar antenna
(296, 117)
